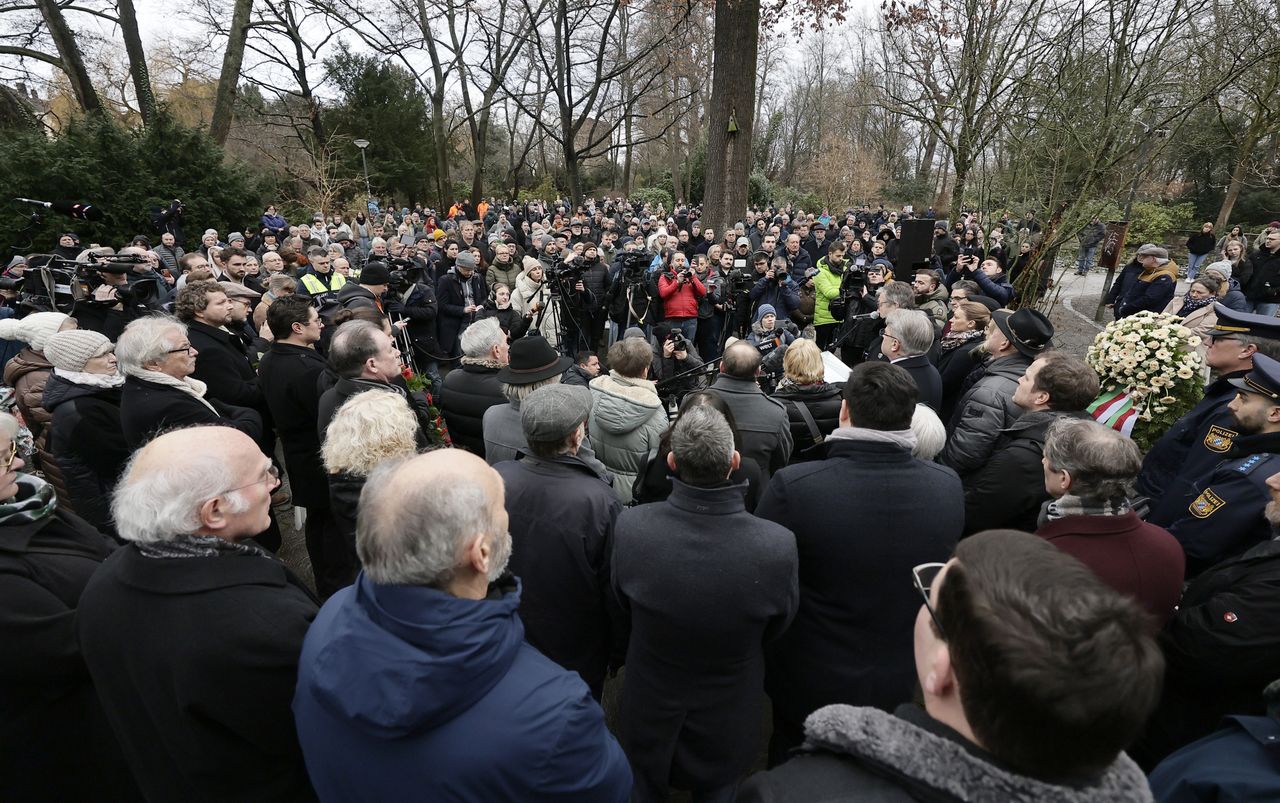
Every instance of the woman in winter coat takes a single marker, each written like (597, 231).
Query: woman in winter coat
(85, 439)
(1196, 309)
(29, 370)
(968, 329)
(1229, 293)
(55, 741)
(275, 223)
(531, 297)
(1235, 234)
(813, 406)
(627, 417)
(499, 306)
(367, 429)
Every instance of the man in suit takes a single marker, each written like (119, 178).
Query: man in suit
(905, 342)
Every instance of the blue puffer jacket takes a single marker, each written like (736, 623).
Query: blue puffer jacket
(409, 693)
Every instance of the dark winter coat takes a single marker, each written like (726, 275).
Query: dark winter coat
(1237, 762)
(55, 741)
(981, 414)
(195, 661)
(451, 297)
(1200, 243)
(693, 701)
(953, 366)
(510, 319)
(928, 380)
(357, 296)
(288, 377)
(1132, 556)
(1152, 295)
(469, 390)
(1263, 282)
(822, 402)
(408, 693)
(562, 515)
(762, 422)
(1183, 452)
(344, 503)
(419, 307)
(88, 444)
(1127, 277)
(147, 408)
(1234, 299)
(1219, 650)
(344, 389)
(224, 365)
(863, 755)
(853, 579)
(1007, 490)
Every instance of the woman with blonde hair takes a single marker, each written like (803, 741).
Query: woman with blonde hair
(367, 429)
(813, 406)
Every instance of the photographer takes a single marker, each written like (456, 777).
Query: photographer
(711, 307)
(681, 291)
(411, 303)
(633, 295)
(828, 283)
(990, 276)
(113, 300)
(775, 288)
(673, 354)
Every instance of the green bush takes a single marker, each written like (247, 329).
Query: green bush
(545, 191)
(1153, 221)
(759, 188)
(800, 199)
(655, 197)
(125, 173)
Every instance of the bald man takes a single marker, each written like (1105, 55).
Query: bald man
(417, 682)
(191, 632)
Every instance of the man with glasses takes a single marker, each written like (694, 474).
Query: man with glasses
(191, 632)
(1034, 678)
(1200, 439)
(862, 518)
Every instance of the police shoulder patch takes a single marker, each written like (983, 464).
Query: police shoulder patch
(1219, 439)
(1206, 504)
(1252, 462)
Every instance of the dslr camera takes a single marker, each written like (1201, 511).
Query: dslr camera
(678, 341)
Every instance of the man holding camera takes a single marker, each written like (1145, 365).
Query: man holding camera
(681, 289)
(774, 287)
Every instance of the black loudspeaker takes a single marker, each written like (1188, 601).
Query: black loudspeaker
(916, 243)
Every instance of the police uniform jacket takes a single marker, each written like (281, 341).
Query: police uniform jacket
(1192, 446)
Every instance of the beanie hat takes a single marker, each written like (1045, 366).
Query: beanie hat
(34, 330)
(765, 309)
(1223, 267)
(234, 236)
(208, 232)
(70, 350)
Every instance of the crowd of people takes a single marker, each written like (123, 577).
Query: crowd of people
(840, 527)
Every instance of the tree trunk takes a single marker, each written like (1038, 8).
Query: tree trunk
(480, 144)
(733, 97)
(926, 161)
(137, 61)
(225, 101)
(572, 170)
(72, 59)
(441, 145)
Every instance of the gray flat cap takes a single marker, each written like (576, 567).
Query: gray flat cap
(552, 412)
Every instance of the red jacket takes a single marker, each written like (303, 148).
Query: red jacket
(1128, 554)
(680, 300)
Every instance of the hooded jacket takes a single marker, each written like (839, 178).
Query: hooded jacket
(865, 754)
(408, 693)
(626, 424)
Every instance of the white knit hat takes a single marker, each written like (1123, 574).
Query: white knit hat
(1223, 267)
(34, 330)
(70, 350)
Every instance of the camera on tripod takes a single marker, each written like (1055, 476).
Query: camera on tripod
(635, 264)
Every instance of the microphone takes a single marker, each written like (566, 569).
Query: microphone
(862, 316)
(72, 209)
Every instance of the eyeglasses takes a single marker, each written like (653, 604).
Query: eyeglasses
(273, 475)
(13, 455)
(1216, 338)
(891, 337)
(925, 575)
(181, 349)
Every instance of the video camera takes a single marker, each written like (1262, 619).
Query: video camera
(635, 264)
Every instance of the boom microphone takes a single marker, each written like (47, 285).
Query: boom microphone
(71, 209)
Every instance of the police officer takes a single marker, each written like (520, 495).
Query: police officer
(1202, 437)
(1221, 514)
(321, 283)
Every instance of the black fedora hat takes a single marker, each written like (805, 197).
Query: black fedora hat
(1028, 330)
(532, 359)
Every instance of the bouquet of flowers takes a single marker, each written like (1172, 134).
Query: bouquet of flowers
(1149, 373)
(439, 433)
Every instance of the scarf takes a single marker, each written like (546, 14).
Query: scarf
(483, 362)
(1190, 305)
(1167, 269)
(91, 380)
(1072, 505)
(193, 387)
(954, 340)
(197, 546)
(788, 384)
(34, 501)
(906, 438)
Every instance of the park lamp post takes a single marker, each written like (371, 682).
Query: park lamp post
(368, 193)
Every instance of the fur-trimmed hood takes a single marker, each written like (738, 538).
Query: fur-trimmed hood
(897, 748)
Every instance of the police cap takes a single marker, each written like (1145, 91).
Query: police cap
(1231, 322)
(1264, 379)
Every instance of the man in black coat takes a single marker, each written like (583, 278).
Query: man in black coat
(460, 293)
(693, 701)
(908, 335)
(473, 387)
(157, 360)
(224, 364)
(289, 374)
(191, 634)
(562, 512)
(1008, 490)
(364, 358)
(762, 421)
(863, 518)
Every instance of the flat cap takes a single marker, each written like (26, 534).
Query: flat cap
(551, 413)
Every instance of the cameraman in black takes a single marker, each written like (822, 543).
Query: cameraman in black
(673, 355)
(411, 304)
(711, 307)
(634, 292)
(112, 302)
